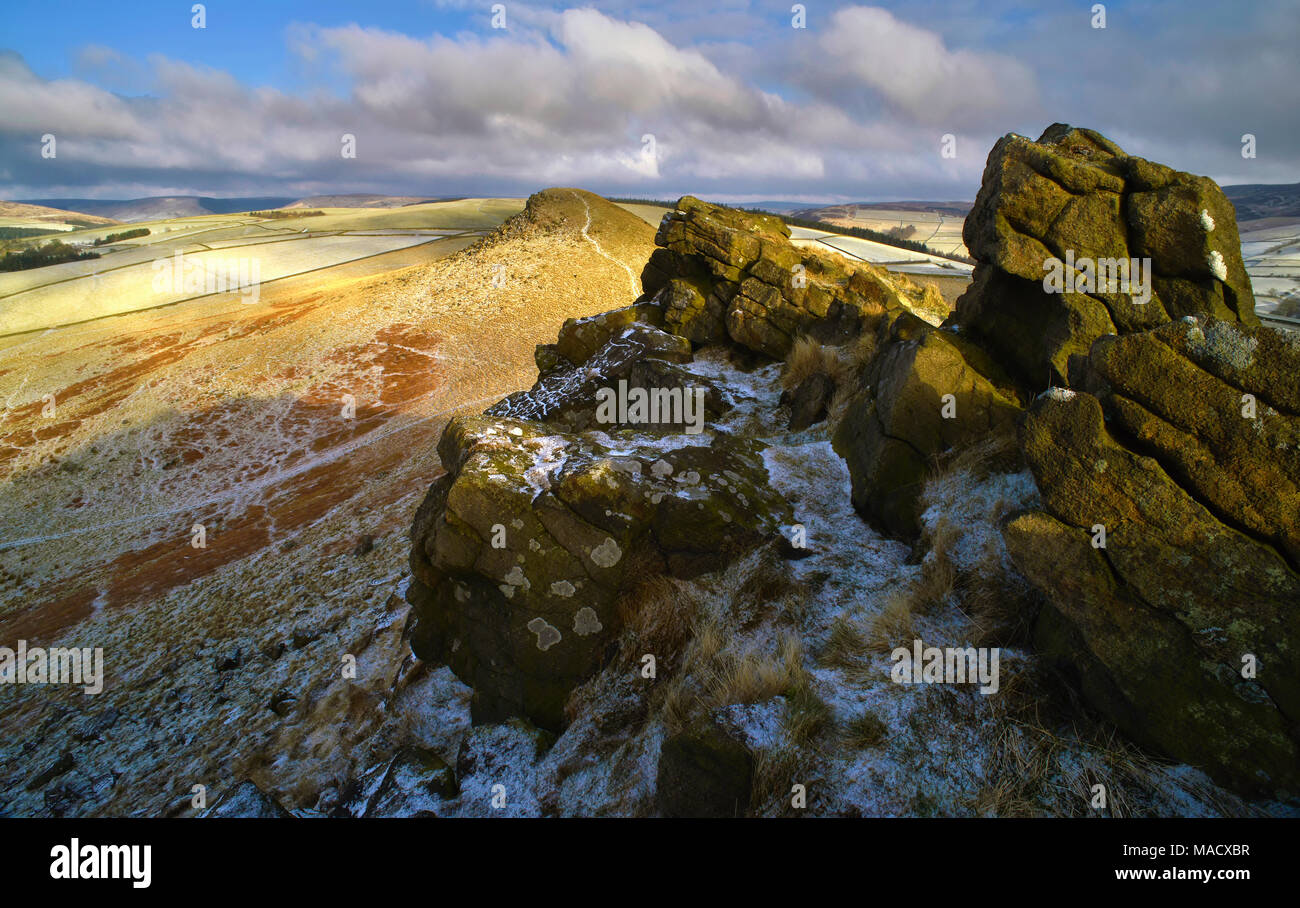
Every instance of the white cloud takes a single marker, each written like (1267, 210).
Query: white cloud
(916, 75)
(857, 103)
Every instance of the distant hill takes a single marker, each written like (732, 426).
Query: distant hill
(157, 208)
(1264, 200)
(1252, 201)
(951, 209)
(777, 207)
(361, 200)
(42, 214)
(161, 207)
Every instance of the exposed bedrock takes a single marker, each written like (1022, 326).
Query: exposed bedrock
(1167, 550)
(1166, 450)
(1076, 196)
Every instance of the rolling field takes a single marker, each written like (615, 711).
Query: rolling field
(1271, 250)
(937, 225)
(651, 214)
(140, 273)
(904, 261)
(20, 214)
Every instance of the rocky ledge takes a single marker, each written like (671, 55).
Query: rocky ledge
(1153, 558)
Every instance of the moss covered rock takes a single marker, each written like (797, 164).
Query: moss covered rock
(927, 392)
(1075, 195)
(522, 549)
(1172, 605)
(723, 274)
(581, 338)
(1180, 393)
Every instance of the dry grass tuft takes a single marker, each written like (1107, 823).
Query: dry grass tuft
(866, 730)
(892, 626)
(658, 615)
(1002, 616)
(753, 676)
(845, 645)
(842, 365)
(806, 714)
(936, 585)
(762, 585)
(808, 358)
(997, 452)
(1048, 753)
(776, 771)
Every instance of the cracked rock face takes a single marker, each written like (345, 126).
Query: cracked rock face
(1185, 624)
(721, 274)
(1075, 193)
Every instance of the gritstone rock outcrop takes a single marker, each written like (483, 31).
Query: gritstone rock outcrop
(1160, 423)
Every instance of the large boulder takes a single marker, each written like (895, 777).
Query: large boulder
(522, 549)
(722, 274)
(927, 392)
(1076, 197)
(1168, 550)
(1072, 196)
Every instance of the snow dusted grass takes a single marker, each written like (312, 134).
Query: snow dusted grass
(791, 657)
(966, 563)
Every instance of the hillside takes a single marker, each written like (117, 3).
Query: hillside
(358, 200)
(163, 207)
(24, 214)
(400, 462)
(1262, 200)
(231, 416)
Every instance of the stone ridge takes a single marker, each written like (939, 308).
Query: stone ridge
(1166, 451)
(724, 275)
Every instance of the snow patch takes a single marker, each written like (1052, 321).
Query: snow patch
(548, 458)
(1217, 266)
(1061, 394)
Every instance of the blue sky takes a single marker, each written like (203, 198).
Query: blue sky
(244, 38)
(738, 103)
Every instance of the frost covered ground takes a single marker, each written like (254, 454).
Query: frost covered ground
(824, 626)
